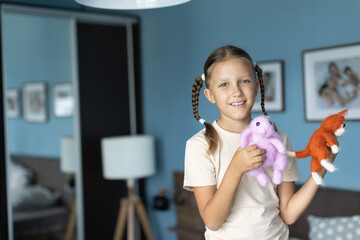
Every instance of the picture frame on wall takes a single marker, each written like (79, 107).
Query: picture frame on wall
(273, 78)
(331, 81)
(35, 102)
(12, 103)
(63, 100)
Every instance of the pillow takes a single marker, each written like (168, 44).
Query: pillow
(33, 197)
(337, 228)
(20, 176)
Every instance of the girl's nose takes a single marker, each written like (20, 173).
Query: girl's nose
(237, 92)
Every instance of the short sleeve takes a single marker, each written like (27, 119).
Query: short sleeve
(291, 173)
(199, 167)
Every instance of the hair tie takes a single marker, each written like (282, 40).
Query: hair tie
(202, 121)
(203, 77)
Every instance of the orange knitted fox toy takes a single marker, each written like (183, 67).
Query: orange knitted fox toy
(321, 143)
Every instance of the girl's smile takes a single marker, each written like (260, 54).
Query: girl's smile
(238, 104)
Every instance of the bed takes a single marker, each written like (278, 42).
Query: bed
(44, 221)
(330, 207)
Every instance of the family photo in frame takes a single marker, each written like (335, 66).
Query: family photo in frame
(12, 103)
(331, 81)
(63, 100)
(34, 102)
(273, 79)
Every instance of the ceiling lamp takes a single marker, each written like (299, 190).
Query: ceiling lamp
(130, 4)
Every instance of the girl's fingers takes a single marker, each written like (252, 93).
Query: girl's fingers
(258, 152)
(254, 155)
(251, 148)
(259, 159)
(257, 164)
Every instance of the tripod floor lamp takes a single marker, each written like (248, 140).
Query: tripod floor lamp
(129, 158)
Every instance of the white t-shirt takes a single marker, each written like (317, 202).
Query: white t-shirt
(255, 213)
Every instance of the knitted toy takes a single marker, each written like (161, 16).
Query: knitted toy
(261, 131)
(322, 142)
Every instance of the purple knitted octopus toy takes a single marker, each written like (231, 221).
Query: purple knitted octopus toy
(261, 131)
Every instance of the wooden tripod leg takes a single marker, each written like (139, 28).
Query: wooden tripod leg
(144, 219)
(120, 224)
(72, 223)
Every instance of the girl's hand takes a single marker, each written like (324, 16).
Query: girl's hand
(246, 159)
(331, 157)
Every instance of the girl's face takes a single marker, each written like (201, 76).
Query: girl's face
(331, 84)
(334, 70)
(233, 88)
(348, 72)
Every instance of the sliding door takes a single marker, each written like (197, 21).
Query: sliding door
(104, 112)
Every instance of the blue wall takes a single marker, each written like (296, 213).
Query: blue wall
(37, 49)
(176, 41)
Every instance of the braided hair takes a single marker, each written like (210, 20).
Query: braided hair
(219, 55)
(259, 74)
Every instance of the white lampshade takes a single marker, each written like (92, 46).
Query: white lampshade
(130, 4)
(128, 157)
(68, 158)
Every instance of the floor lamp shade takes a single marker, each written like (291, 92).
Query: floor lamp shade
(130, 4)
(128, 157)
(67, 158)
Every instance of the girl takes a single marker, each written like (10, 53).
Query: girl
(352, 83)
(231, 203)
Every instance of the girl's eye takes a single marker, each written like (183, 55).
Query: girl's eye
(258, 124)
(224, 85)
(244, 81)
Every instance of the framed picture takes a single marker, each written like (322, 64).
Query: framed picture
(273, 77)
(63, 100)
(12, 103)
(34, 102)
(331, 81)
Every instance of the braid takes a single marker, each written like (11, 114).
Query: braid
(195, 97)
(262, 88)
(210, 134)
(258, 71)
